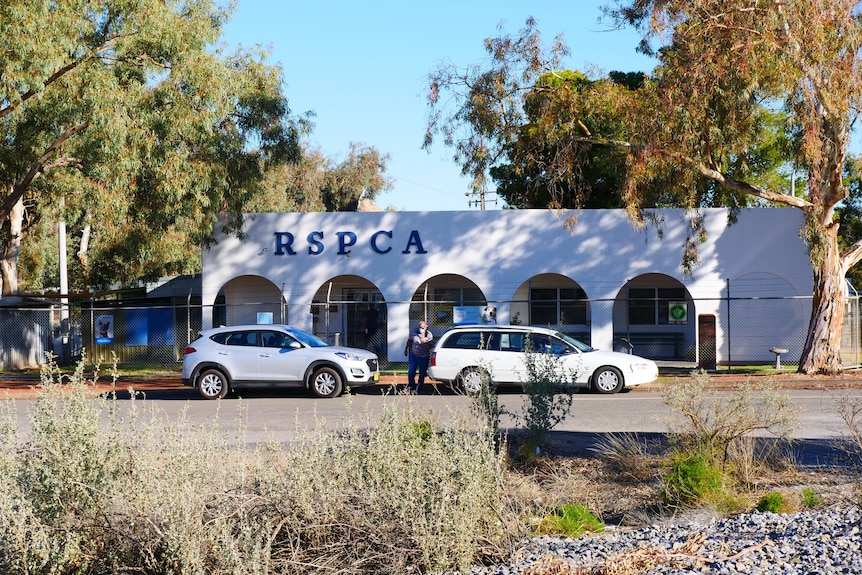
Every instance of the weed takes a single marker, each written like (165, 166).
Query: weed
(630, 456)
(570, 520)
(810, 498)
(548, 387)
(773, 502)
(713, 449)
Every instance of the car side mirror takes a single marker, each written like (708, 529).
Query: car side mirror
(295, 345)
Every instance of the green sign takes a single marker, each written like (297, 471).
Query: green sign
(677, 312)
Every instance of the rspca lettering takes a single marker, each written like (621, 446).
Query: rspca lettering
(380, 242)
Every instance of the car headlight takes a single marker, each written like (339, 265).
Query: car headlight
(641, 367)
(348, 356)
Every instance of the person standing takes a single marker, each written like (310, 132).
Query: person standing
(418, 351)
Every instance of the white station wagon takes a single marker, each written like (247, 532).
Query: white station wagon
(464, 354)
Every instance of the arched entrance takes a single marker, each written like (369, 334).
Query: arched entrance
(249, 300)
(555, 301)
(349, 310)
(438, 299)
(655, 313)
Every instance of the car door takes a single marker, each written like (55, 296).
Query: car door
(509, 360)
(240, 353)
(282, 358)
(572, 360)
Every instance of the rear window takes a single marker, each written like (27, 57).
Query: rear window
(245, 338)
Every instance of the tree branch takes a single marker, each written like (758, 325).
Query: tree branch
(37, 168)
(709, 173)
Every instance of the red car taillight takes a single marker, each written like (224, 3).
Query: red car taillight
(433, 360)
(189, 350)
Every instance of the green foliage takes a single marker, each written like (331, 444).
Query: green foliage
(548, 388)
(130, 121)
(773, 502)
(693, 480)
(810, 497)
(729, 113)
(570, 520)
(323, 184)
(709, 434)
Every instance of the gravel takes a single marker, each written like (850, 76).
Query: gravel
(823, 542)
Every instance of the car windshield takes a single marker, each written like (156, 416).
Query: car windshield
(573, 342)
(307, 338)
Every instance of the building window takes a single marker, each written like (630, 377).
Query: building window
(442, 301)
(558, 306)
(650, 306)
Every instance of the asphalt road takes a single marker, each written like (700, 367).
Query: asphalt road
(283, 416)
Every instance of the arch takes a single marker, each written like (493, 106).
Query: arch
(242, 299)
(344, 307)
(435, 300)
(656, 314)
(552, 300)
(764, 314)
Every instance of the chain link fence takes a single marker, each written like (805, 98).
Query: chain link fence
(737, 331)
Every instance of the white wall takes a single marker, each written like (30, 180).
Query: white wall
(500, 250)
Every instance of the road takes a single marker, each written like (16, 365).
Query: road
(277, 416)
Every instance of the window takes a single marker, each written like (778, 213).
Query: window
(441, 303)
(467, 340)
(243, 338)
(650, 306)
(558, 306)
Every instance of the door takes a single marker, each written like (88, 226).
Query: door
(279, 361)
(364, 320)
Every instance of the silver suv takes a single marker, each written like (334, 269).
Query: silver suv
(466, 354)
(243, 356)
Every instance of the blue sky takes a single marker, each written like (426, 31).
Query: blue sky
(362, 67)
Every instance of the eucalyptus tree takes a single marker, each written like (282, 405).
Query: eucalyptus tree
(131, 120)
(323, 183)
(725, 67)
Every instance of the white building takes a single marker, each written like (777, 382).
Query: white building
(601, 280)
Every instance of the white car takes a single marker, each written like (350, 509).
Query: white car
(227, 358)
(466, 354)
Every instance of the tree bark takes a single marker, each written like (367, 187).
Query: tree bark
(9, 263)
(822, 351)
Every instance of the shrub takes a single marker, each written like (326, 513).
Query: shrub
(773, 502)
(692, 479)
(570, 520)
(710, 434)
(102, 486)
(548, 388)
(810, 498)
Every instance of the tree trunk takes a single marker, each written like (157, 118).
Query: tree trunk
(9, 263)
(822, 351)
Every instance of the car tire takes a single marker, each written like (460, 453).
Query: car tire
(326, 382)
(608, 380)
(212, 384)
(470, 379)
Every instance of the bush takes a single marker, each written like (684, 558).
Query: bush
(548, 387)
(810, 498)
(772, 502)
(105, 487)
(570, 520)
(711, 435)
(692, 480)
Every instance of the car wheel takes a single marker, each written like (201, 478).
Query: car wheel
(608, 380)
(471, 379)
(212, 384)
(326, 382)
